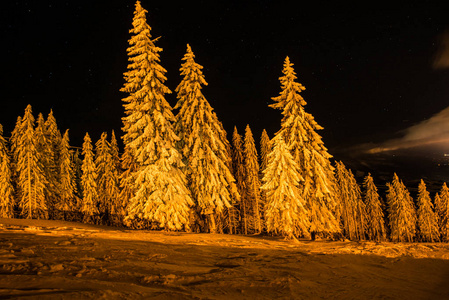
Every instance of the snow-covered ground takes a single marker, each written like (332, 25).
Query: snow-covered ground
(64, 260)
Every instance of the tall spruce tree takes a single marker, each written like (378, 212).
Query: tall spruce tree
(67, 184)
(402, 213)
(54, 139)
(6, 186)
(427, 219)
(54, 136)
(47, 162)
(298, 129)
(107, 178)
(252, 180)
(265, 149)
(238, 166)
(204, 145)
(31, 176)
(375, 223)
(442, 210)
(160, 194)
(89, 201)
(285, 210)
(103, 162)
(351, 209)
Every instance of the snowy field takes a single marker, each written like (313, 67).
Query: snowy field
(64, 260)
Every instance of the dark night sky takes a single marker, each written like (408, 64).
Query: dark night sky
(367, 70)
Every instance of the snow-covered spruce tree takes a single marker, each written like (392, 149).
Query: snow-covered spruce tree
(67, 184)
(265, 149)
(46, 160)
(107, 179)
(89, 201)
(103, 162)
(134, 83)
(401, 212)
(298, 129)
(442, 210)
(53, 134)
(375, 223)
(6, 186)
(238, 167)
(31, 176)
(54, 138)
(285, 211)
(427, 220)
(204, 145)
(49, 143)
(350, 206)
(252, 180)
(160, 192)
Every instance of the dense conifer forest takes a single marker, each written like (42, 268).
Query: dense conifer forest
(179, 170)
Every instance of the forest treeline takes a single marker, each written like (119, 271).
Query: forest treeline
(178, 170)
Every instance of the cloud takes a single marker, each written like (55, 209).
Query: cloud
(431, 132)
(441, 60)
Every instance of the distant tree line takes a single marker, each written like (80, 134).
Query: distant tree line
(179, 171)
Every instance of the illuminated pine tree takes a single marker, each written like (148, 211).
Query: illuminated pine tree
(103, 161)
(31, 176)
(204, 144)
(298, 129)
(89, 182)
(107, 178)
(427, 219)
(53, 139)
(285, 211)
(252, 180)
(375, 223)
(402, 214)
(46, 160)
(160, 193)
(442, 210)
(67, 184)
(6, 186)
(265, 149)
(53, 135)
(238, 164)
(351, 209)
